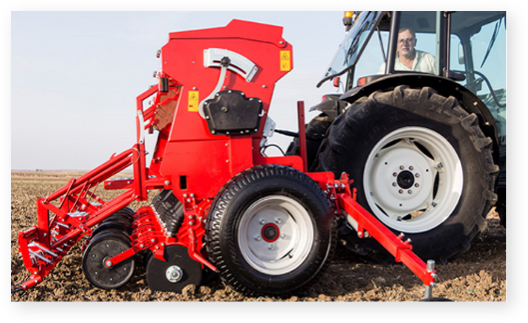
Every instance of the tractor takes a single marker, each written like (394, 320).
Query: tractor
(420, 125)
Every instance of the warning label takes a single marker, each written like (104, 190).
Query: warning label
(194, 101)
(285, 60)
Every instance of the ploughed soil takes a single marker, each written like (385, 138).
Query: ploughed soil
(477, 275)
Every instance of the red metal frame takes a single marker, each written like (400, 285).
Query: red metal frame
(189, 160)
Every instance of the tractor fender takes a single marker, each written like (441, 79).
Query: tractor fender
(331, 105)
(444, 86)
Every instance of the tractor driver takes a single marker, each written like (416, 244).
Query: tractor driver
(410, 59)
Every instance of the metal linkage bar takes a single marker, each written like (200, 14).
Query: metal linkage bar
(401, 250)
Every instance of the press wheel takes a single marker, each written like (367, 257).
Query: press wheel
(103, 247)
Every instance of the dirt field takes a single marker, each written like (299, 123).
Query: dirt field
(478, 275)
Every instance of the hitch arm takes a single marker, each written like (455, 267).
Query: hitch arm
(401, 250)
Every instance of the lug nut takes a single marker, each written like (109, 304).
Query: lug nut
(416, 185)
(409, 191)
(262, 221)
(394, 184)
(278, 220)
(401, 167)
(400, 191)
(257, 237)
(416, 175)
(411, 168)
(394, 174)
(434, 204)
(270, 246)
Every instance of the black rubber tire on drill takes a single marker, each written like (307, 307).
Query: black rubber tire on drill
(270, 231)
(362, 142)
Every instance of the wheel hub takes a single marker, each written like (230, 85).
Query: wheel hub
(174, 274)
(270, 232)
(405, 179)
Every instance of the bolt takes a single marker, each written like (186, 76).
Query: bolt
(278, 220)
(400, 191)
(416, 175)
(191, 223)
(416, 185)
(440, 165)
(394, 184)
(270, 246)
(109, 263)
(399, 219)
(401, 167)
(194, 87)
(262, 221)
(93, 256)
(188, 200)
(257, 237)
(283, 236)
(191, 217)
(167, 182)
(409, 191)
(142, 246)
(264, 86)
(184, 195)
(434, 204)
(411, 168)
(394, 174)
(152, 240)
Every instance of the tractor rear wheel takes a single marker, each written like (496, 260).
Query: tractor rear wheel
(421, 165)
(270, 231)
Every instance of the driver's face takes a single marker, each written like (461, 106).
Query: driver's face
(406, 42)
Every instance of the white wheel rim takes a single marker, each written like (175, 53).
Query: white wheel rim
(390, 169)
(275, 235)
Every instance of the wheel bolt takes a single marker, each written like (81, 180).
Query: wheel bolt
(270, 246)
(416, 185)
(401, 167)
(416, 175)
(262, 221)
(434, 204)
(411, 168)
(278, 220)
(257, 237)
(394, 174)
(394, 184)
(400, 191)
(409, 191)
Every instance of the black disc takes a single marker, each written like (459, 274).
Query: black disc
(103, 247)
(103, 227)
(172, 275)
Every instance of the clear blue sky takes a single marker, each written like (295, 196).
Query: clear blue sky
(75, 77)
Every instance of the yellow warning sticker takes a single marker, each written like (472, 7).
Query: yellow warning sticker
(194, 101)
(285, 60)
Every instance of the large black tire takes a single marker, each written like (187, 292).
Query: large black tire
(386, 142)
(270, 231)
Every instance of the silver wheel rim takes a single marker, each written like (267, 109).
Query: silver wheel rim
(275, 235)
(413, 179)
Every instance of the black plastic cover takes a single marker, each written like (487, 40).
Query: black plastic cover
(231, 113)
